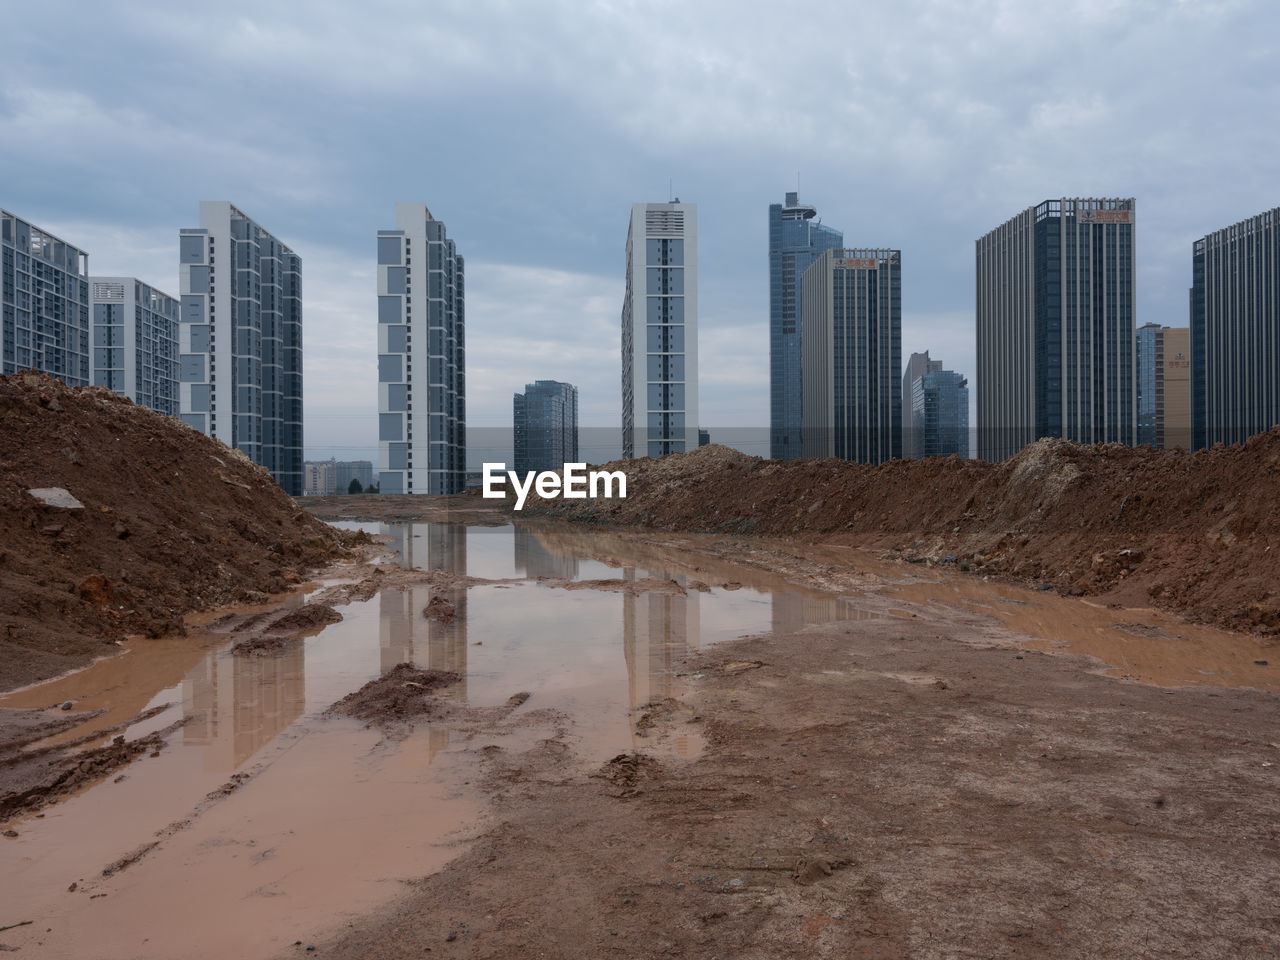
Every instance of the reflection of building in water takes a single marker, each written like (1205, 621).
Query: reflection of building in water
(791, 611)
(235, 705)
(429, 546)
(535, 559)
(405, 635)
(657, 629)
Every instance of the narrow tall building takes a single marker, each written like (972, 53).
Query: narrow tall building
(917, 366)
(1055, 324)
(44, 303)
(852, 355)
(545, 426)
(421, 357)
(660, 331)
(1164, 386)
(240, 339)
(796, 238)
(135, 341)
(1235, 331)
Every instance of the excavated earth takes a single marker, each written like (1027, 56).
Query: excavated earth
(1189, 532)
(915, 782)
(171, 521)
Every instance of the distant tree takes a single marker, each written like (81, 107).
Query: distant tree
(373, 488)
(354, 486)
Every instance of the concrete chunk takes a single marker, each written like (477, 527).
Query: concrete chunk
(56, 497)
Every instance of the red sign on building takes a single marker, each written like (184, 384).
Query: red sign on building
(1106, 216)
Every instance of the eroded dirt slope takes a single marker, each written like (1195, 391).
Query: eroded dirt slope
(172, 521)
(1192, 532)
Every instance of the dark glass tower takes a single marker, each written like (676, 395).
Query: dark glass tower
(853, 355)
(545, 422)
(940, 413)
(1055, 319)
(1235, 331)
(796, 239)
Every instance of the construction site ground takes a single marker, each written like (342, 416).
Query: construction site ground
(753, 710)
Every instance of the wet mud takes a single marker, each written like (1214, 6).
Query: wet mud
(558, 742)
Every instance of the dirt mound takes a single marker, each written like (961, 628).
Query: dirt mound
(1190, 531)
(400, 695)
(168, 521)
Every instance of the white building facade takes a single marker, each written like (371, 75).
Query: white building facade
(422, 421)
(660, 331)
(240, 339)
(135, 341)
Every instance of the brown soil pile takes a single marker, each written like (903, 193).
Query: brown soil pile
(1189, 531)
(399, 696)
(172, 521)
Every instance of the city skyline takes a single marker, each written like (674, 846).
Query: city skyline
(929, 145)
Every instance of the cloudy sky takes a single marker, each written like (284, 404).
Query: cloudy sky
(530, 127)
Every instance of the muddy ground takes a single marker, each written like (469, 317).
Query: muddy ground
(917, 783)
(1197, 533)
(913, 785)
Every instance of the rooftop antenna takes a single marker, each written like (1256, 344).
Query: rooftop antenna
(797, 183)
(668, 190)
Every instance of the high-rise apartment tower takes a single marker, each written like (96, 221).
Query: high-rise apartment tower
(660, 331)
(135, 341)
(44, 303)
(422, 381)
(240, 339)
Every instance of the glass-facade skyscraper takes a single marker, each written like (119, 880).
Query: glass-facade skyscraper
(44, 303)
(1235, 331)
(796, 239)
(545, 426)
(1056, 325)
(422, 448)
(940, 413)
(240, 339)
(852, 352)
(913, 438)
(660, 331)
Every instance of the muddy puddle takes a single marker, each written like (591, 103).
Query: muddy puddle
(262, 809)
(263, 821)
